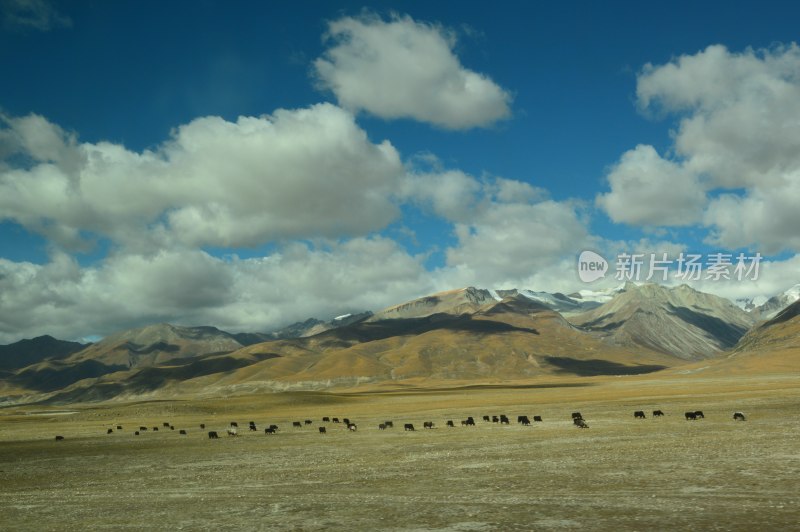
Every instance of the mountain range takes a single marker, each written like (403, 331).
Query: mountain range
(463, 335)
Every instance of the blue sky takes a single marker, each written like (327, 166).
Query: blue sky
(250, 164)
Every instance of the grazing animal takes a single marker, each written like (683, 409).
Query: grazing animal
(537, 418)
(699, 414)
(202, 425)
(182, 432)
(450, 423)
(136, 433)
(382, 426)
(212, 435)
(580, 423)
(463, 422)
(59, 438)
(110, 431)
(408, 426)
(577, 415)
(143, 429)
(322, 430)
(690, 416)
(232, 431)
(738, 416)
(486, 418)
(389, 424)
(470, 421)
(155, 429)
(269, 431)
(171, 427)
(308, 422)
(504, 419)
(253, 426)
(335, 420)
(119, 427)
(524, 420)
(274, 427)
(234, 424)
(427, 425)
(326, 419)
(639, 414)
(657, 413)
(166, 424)
(346, 421)
(495, 419)
(352, 427)
(296, 424)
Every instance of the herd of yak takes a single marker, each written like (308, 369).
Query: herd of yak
(577, 420)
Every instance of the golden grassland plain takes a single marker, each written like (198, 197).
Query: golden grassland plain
(620, 474)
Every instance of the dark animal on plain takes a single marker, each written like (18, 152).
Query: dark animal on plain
(463, 422)
(296, 424)
(577, 421)
(389, 424)
(143, 429)
(738, 416)
(202, 425)
(308, 422)
(182, 432)
(504, 419)
(382, 426)
(699, 414)
(136, 433)
(486, 418)
(59, 438)
(657, 413)
(427, 425)
(110, 431)
(519, 419)
(495, 419)
(212, 435)
(270, 431)
(165, 424)
(450, 423)
(346, 421)
(580, 423)
(234, 424)
(232, 431)
(577, 415)
(470, 421)
(408, 426)
(690, 416)
(274, 427)
(537, 418)
(253, 426)
(119, 427)
(524, 420)
(171, 427)
(326, 419)
(155, 429)
(639, 414)
(352, 427)
(335, 420)
(322, 430)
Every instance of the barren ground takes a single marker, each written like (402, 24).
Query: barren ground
(620, 474)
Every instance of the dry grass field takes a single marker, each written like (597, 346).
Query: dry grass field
(620, 474)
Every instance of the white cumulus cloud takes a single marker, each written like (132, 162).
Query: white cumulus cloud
(404, 68)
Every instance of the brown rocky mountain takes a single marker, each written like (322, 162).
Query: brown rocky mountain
(680, 321)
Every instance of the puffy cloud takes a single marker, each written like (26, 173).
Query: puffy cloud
(192, 287)
(295, 174)
(451, 194)
(736, 153)
(649, 190)
(512, 244)
(406, 69)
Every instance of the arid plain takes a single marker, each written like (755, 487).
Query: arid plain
(619, 474)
